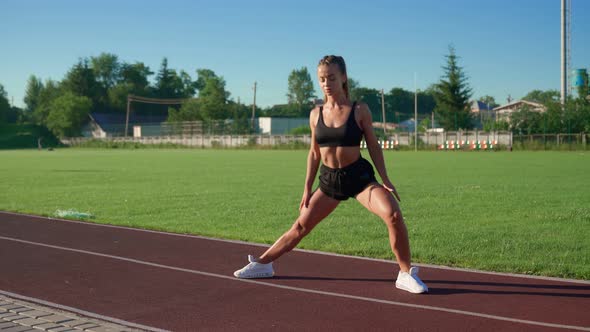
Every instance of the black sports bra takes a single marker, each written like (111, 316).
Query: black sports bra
(348, 134)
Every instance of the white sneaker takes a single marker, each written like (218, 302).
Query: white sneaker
(410, 282)
(255, 270)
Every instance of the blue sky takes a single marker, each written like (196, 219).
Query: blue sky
(505, 46)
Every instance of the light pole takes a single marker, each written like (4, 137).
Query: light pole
(254, 107)
(383, 112)
(416, 120)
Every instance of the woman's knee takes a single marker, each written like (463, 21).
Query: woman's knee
(393, 217)
(300, 228)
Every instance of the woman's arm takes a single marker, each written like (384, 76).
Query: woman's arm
(313, 160)
(374, 148)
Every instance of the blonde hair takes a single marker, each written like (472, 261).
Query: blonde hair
(339, 61)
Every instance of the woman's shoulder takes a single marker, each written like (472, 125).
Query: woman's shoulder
(314, 111)
(314, 114)
(362, 107)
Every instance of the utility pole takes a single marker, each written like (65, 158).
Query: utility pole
(415, 115)
(383, 111)
(564, 51)
(254, 107)
(432, 122)
(416, 120)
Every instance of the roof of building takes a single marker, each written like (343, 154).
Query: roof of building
(480, 106)
(517, 103)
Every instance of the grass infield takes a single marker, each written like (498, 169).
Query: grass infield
(521, 212)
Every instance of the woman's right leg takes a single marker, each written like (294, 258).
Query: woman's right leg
(320, 206)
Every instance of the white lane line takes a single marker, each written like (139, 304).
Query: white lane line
(305, 290)
(80, 311)
(316, 252)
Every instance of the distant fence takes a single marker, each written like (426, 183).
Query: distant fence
(552, 139)
(200, 141)
(437, 139)
(442, 141)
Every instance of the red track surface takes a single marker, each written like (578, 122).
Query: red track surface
(184, 283)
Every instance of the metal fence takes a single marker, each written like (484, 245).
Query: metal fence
(192, 135)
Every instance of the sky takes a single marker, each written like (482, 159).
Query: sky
(506, 47)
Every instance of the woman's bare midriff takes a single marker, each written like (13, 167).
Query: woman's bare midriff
(339, 156)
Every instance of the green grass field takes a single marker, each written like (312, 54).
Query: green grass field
(522, 212)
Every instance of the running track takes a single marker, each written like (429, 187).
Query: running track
(160, 281)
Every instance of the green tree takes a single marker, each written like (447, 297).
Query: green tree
(286, 111)
(133, 80)
(423, 125)
(543, 97)
(241, 115)
(301, 90)
(4, 105)
(50, 91)
(213, 99)
(168, 83)
(489, 101)
(452, 96)
(202, 76)
(372, 97)
(32, 93)
(189, 111)
(526, 121)
(80, 80)
(137, 76)
(67, 114)
(353, 86)
(188, 85)
(107, 69)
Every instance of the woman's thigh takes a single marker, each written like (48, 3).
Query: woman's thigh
(379, 201)
(320, 206)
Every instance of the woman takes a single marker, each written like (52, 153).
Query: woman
(336, 131)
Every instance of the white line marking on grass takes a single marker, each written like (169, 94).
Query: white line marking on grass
(305, 290)
(317, 252)
(79, 311)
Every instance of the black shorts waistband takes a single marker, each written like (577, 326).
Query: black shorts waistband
(345, 168)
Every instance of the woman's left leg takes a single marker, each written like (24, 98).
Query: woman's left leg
(381, 202)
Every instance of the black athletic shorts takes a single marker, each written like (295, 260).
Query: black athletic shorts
(343, 183)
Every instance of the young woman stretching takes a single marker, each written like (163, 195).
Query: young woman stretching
(336, 131)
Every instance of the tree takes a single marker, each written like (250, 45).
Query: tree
(133, 80)
(353, 86)
(452, 95)
(107, 69)
(372, 97)
(489, 101)
(526, 121)
(136, 75)
(202, 76)
(188, 86)
(301, 90)
(80, 80)
(543, 97)
(67, 114)
(189, 111)
(241, 118)
(33, 93)
(50, 91)
(168, 83)
(213, 98)
(4, 105)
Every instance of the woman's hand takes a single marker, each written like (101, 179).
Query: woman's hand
(389, 186)
(305, 199)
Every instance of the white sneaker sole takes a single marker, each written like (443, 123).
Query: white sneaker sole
(402, 287)
(255, 276)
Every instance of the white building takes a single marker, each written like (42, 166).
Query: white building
(504, 112)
